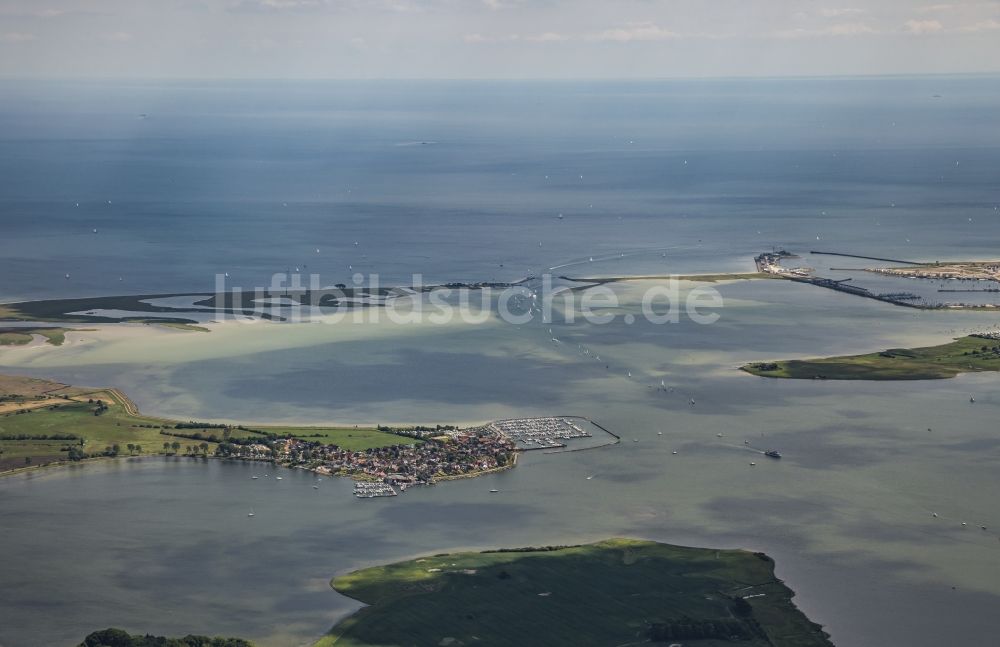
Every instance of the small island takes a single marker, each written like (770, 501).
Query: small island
(615, 592)
(11, 336)
(971, 354)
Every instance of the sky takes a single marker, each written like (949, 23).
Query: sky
(494, 38)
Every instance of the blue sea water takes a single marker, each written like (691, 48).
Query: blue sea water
(466, 180)
(454, 180)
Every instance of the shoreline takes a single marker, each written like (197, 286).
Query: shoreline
(743, 580)
(421, 454)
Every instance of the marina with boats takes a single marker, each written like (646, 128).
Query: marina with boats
(928, 281)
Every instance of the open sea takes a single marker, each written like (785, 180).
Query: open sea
(466, 181)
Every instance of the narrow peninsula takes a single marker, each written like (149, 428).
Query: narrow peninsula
(971, 354)
(46, 423)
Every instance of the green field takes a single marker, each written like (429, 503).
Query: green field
(351, 438)
(75, 417)
(964, 355)
(30, 409)
(616, 592)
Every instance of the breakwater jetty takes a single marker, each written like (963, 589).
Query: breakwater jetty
(867, 258)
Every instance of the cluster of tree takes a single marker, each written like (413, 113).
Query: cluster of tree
(195, 436)
(226, 450)
(76, 454)
(687, 629)
(56, 436)
(529, 549)
(189, 450)
(199, 425)
(100, 408)
(985, 349)
(418, 428)
(168, 446)
(119, 638)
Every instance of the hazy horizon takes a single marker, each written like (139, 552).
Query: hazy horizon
(494, 39)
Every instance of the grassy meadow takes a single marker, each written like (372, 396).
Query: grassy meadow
(33, 412)
(616, 592)
(964, 355)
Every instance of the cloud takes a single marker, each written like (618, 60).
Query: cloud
(935, 8)
(923, 26)
(837, 12)
(638, 31)
(985, 25)
(277, 6)
(850, 29)
(17, 37)
(547, 37)
(839, 29)
(118, 37)
(496, 5)
(543, 37)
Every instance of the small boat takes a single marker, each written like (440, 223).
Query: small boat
(674, 453)
(254, 478)
(772, 453)
(494, 491)
(250, 514)
(279, 478)
(972, 398)
(590, 477)
(752, 464)
(315, 487)
(659, 433)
